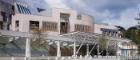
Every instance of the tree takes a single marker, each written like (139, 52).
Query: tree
(103, 44)
(136, 38)
(39, 41)
(133, 34)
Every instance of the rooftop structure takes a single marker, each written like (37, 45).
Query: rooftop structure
(108, 30)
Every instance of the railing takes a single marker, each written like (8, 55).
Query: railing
(61, 58)
(36, 58)
(130, 57)
(72, 58)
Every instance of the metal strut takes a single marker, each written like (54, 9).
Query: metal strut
(80, 46)
(92, 49)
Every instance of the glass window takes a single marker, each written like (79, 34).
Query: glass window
(23, 10)
(79, 17)
(34, 25)
(18, 8)
(82, 28)
(64, 17)
(49, 26)
(17, 24)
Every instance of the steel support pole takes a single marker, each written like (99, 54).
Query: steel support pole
(92, 49)
(74, 49)
(58, 49)
(28, 49)
(98, 50)
(117, 49)
(87, 50)
(107, 49)
(79, 48)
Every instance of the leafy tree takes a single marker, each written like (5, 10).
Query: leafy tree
(38, 41)
(103, 43)
(137, 38)
(133, 34)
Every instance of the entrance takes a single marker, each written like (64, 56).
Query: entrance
(64, 23)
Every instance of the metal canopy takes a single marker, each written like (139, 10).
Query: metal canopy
(80, 37)
(89, 37)
(74, 37)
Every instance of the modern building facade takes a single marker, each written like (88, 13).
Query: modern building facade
(107, 30)
(19, 18)
(61, 21)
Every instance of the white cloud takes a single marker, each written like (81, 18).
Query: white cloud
(126, 19)
(81, 6)
(56, 3)
(90, 7)
(78, 1)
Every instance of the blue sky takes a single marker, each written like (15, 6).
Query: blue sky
(114, 12)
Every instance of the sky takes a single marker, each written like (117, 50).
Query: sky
(113, 12)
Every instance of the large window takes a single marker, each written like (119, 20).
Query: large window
(109, 32)
(64, 17)
(82, 28)
(49, 26)
(64, 23)
(34, 25)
